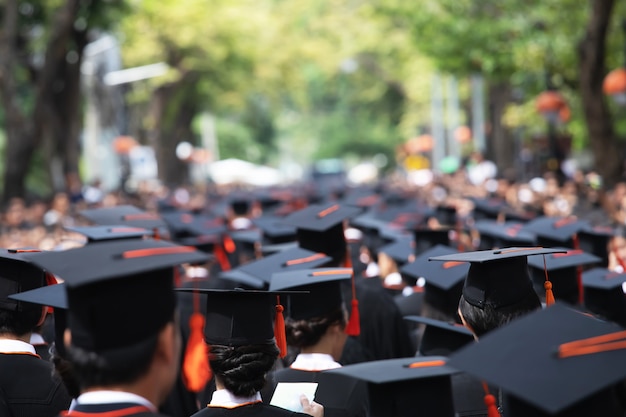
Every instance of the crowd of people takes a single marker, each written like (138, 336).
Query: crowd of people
(397, 298)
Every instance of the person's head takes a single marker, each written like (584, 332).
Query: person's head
(498, 287)
(317, 320)
(122, 325)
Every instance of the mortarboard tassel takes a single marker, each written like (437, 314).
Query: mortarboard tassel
(221, 257)
(579, 272)
(229, 244)
(490, 402)
(353, 328)
(196, 369)
(279, 329)
(547, 285)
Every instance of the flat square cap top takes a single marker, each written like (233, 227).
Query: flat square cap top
(105, 261)
(18, 274)
(603, 278)
(290, 259)
(557, 228)
(49, 295)
(536, 368)
(397, 370)
(112, 232)
(566, 259)
(483, 256)
(320, 217)
(123, 215)
(444, 275)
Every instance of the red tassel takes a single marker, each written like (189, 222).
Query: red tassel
(347, 262)
(229, 244)
(222, 258)
(490, 402)
(196, 370)
(279, 329)
(353, 327)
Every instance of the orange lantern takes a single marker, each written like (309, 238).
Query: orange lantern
(426, 143)
(463, 134)
(615, 82)
(123, 144)
(549, 101)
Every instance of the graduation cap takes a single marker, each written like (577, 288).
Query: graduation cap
(495, 235)
(441, 337)
(425, 238)
(595, 240)
(259, 273)
(319, 227)
(51, 296)
(101, 233)
(240, 202)
(556, 231)
(404, 387)
(498, 278)
(400, 251)
(446, 215)
(443, 280)
(605, 293)
(487, 208)
(184, 224)
(273, 231)
(557, 364)
(361, 198)
(18, 274)
(126, 215)
(109, 283)
(564, 270)
(323, 286)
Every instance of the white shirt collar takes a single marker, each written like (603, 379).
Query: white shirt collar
(111, 397)
(16, 346)
(225, 398)
(37, 339)
(314, 362)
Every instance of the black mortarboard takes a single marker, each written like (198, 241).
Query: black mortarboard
(184, 224)
(18, 274)
(444, 280)
(267, 250)
(487, 208)
(273, 231)
(555, 231)
(101, 233)
(496, 277)
(400, 251)
(295, 258)
(605, 293)
(240, 202)
(426, 238)
(404, 387)
(495, 235)
(563, 272)
(109, 283)
(320, 228)
(238, 317)
(527, 360)
(596, 240)
(126, 215)
(446, 215)
(441, 337)
(323, 285)
(361, 198)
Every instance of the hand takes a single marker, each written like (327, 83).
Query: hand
(311, 407)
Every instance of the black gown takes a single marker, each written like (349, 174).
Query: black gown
(258, 409)
(116, 409)
(347, 399)
(29, 388)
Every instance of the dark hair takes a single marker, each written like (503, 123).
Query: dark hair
(116, 366)
(304, 333)
(65, 370)
(242, 369)
(19, 322)
(489, 318)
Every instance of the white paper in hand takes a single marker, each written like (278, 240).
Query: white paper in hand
(287, 394)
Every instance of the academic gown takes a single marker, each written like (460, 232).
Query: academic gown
(28, 386)
(384, 332)
(112, 404)
(226, 404)
(348, 398)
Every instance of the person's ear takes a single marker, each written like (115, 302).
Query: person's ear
(67, 337)
(166, 343)
(44, 313)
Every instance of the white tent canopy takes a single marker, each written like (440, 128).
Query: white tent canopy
(229, 171)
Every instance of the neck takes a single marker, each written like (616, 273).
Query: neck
(142, 387)
(324, 345)
(23, 338)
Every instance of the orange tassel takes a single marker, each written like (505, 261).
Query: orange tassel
(196, 369)
(222, 258)
(549, 295)
(347, 262)
(353, 328)
(229, 244)
(490, 402)
(279, 329)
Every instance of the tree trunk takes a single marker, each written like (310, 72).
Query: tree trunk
(172, 109)
(501, 140)
(608, 155)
